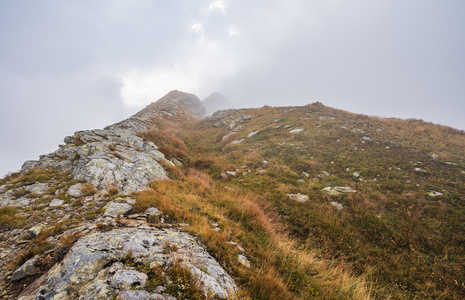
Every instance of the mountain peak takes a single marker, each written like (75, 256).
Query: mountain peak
(174, 104)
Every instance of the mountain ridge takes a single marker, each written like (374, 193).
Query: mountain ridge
(291, 203)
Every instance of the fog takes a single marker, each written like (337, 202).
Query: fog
(75, 65)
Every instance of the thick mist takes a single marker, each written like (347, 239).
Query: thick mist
(74, 65)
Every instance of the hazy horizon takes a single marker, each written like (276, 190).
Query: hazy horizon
(77, 65)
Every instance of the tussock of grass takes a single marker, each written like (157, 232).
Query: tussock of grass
(9, 217)
(88, 189)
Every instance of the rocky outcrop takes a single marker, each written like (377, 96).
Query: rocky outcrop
(107, 158)
(110, 263)
(117, 254)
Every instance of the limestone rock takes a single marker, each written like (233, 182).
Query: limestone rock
(99, 258)
(56, 203)
(112, 209)
(337, 190)
(75, 190)
(435, 194)
(176, 162)
(36, 230)
(152, 211)
(27, 269)
(107, 158)
(237, 142)
(243, 260)
(296, 130)
(336, 204)
(39, 188)
(252, 134)
(298, 197)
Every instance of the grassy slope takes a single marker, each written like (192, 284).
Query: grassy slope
(406, 243)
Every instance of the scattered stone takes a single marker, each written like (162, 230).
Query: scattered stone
(21, 202)
(252, 133)
(112, 209)
(365, 138)
(176, 162)
(38, 188)
(325, 173)
(243, 261)
(232, 173)
(36, 230)
(27, 269)
(296, 130)
(237, 142)
(75, 191)
(435, 194)
(298, 197)
(337, 190)
(336, 204)
(356, 175)
(306, 174)
(56, 203)
(152, 211)
(419, 170)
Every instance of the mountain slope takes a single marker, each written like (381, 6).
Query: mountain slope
(303, 202)
(404, 224)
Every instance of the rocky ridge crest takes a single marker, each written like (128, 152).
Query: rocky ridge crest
(113, 248)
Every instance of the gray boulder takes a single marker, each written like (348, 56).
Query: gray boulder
(56, 203)
(112, 209)
(298, 197)
(27, 269)
(75, 191)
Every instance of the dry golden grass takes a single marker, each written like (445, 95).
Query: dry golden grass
(88, 189)
(280, 268)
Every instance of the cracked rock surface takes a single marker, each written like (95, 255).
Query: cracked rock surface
(104, 264)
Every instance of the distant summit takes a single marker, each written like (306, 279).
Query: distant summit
(215, 102)
(175, 103)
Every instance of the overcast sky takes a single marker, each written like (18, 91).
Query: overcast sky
(76, 64)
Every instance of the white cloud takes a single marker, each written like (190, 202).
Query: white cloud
(200, 68)
(217, 4)
(232, 31)
(141, 87)
(198, 28)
